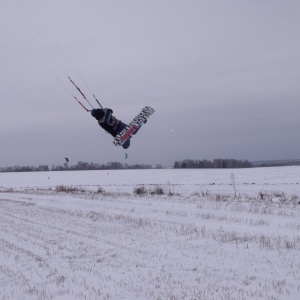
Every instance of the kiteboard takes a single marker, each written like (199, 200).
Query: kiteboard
(133, 126)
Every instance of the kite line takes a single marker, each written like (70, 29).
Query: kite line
(41, 42)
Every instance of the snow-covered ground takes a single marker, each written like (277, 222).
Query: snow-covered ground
(151, 234)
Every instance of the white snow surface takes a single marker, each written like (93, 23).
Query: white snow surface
(188, 234)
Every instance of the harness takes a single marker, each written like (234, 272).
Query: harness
(109, 119)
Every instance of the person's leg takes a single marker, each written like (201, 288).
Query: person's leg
(120, 127)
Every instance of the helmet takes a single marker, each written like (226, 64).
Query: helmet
(97, 113)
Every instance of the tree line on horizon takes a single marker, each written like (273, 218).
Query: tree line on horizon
(78, 167)
(188, 163)
(218, 163)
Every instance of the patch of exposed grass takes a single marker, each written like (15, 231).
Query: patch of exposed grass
(76, 190)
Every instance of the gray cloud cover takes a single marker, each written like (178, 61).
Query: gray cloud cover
(222, 76)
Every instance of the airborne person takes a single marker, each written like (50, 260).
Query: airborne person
(109, 123)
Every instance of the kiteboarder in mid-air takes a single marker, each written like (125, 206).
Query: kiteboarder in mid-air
(119, 130)
(109, 123)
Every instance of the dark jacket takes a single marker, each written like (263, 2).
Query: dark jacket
(107, 121)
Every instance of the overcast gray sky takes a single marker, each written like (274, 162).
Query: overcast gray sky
(223, 77)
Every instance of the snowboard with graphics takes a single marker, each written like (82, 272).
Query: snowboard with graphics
(133, 126)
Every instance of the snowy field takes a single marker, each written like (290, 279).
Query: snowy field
(151, 234)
